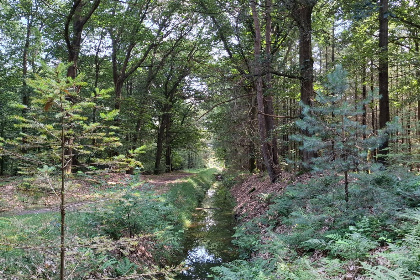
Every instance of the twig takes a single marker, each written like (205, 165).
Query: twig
(224, 102)
(278, 117)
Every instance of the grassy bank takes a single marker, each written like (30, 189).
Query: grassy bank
(138, 232)
(310, 232)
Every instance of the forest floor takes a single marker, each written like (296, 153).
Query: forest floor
(20, 195)
(252, 192)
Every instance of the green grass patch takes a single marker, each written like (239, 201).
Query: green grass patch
(138, 231)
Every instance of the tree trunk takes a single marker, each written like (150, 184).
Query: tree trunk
(384, 115)
(417, 48)
(118, 94)
(303, 16)
(25, 92)
(2, 161)
(168, 152)
(168, 159)
(160, 140)
(159, 147)
(251, 146)
(268, 97)
(346, 186)
(265, 147)
(25, 89)
(364, 96)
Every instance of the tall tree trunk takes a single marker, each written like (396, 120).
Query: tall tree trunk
(25, 88)
(268, 97)
(252, 165)
(265, 147)
(168, 152)
(302, 14)
(364, 96)
(160, 140)
(118, 94)
(73, 39)
(384, 115)
(25, 91)
(159, 147)
(333, 44)
(417, 48)
(2, 161)
(168, 159)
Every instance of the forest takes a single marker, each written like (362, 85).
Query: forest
(210, 139)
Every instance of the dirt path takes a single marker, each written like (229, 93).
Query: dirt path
(162, 182)
(40, 195)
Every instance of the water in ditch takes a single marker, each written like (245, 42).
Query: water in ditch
(210, 234)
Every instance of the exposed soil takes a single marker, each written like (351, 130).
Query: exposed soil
(252, 195)
(20, 196)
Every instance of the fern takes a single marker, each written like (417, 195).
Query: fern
(384, 273)
(350, 246)
(404, 259)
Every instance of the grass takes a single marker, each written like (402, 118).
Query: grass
(136, 232)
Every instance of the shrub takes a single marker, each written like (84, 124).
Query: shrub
(350, 246)
(314, 219)
(403, 258)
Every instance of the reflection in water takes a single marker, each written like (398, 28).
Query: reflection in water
(209, 237)
(198, 261)
(200, 255)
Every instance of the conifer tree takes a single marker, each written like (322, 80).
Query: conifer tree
(55, 124)
(335, 134)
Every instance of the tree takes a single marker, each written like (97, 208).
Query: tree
(79, 14)
(335, 133)
(384, 115)
(52, 120)
(302, 14)
(266, 150)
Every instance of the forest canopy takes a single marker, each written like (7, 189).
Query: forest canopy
(319, 98)
(181, 76)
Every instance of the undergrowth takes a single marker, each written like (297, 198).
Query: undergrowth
(137, 233)
(310, 232)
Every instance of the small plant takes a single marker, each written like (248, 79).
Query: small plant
(124, 267)
(350, 246)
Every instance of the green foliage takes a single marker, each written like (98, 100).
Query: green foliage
(58, 106)
(241, 270)
(403, 261)
(314, 219)
(247, 239)
(120, 237)
(350, 246)
(332, 129)
(133, 213)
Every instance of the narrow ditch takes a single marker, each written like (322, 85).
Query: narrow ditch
(208, 239)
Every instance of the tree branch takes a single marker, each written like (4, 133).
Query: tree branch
(224, 102)
(277, 116)
(280, 74)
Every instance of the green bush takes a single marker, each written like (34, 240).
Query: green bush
(404, 256)
(135, 212)
(243, 270)
(350, 246)
(314, 219)
(247, 239)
